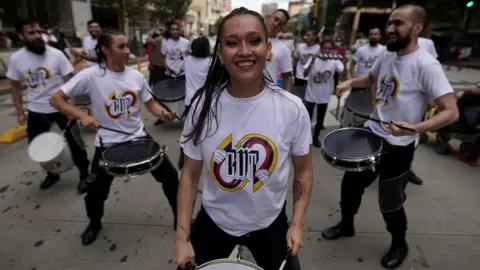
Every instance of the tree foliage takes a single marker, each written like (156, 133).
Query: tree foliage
(163, 9)
(167, 10)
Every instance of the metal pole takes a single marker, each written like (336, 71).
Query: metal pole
(324, 13)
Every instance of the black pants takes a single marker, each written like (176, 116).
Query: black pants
(300, 82)
(157, 74)
(268, 246)
(39, 123)
(393, 172)
(321, 112)
(99, 189)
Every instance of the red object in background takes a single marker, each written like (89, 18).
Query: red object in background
(339, 50)
(177, 20)
(149, 54)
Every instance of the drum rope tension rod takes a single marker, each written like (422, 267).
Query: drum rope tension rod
(384, 122)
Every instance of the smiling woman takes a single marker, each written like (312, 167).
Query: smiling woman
(245, 128)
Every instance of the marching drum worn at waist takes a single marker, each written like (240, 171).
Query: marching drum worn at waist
(170, 90)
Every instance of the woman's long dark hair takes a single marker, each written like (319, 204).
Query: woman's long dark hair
(105, 39)
(217, 80)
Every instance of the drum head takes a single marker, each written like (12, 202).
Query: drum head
(46, 147)
(132, 152)
(170, 90)
(352, 143)
(229, 264)
(360, 103)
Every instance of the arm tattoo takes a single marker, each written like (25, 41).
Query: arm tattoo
(297, 190)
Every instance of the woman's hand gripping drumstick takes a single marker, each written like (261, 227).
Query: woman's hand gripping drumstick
(59, 102)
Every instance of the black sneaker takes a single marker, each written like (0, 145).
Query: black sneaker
(338, 231)
(49, 181)
(91, 233)
(414, 179)
(394, 257)
(317, 143)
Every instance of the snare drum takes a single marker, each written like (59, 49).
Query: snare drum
(358, 103)
(352, 149)
(230, 264)
(133, 158)
(172, 93)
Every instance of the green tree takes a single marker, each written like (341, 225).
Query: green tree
(167, 10)
(126, 8)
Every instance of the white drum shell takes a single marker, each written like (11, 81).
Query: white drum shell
(51, 151)
(228, 264)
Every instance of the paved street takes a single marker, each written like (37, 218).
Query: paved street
(40, 229)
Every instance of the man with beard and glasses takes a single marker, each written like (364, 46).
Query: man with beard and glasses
(89, 44)
(366, 55)
(406, 78)
(279, 59)
(44, 69)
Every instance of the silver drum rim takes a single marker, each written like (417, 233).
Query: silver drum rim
(326, 152)
(235, 261)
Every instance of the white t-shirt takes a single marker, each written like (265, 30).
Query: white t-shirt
(175, 52)
(320, 79)
(116, 101)
(427, 45)
(89, 43)
(43, 73)
(303, 54)
(247, 156)
(196, 71)
(404, 85)
(280, 59)
(366, 56)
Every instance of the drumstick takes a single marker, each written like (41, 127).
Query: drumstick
(162, 104)
(116, 130)
(385, 122)
(338, 108)
(285, 260)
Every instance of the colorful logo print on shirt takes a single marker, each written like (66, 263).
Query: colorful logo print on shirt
(387, 90)
(38, 77)
(251, 160)
(121, 105)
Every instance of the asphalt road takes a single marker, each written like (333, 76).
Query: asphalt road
(40, 229)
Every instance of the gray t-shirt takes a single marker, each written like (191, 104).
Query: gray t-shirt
(404, 85)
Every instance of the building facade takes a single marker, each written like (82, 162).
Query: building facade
(268, 8)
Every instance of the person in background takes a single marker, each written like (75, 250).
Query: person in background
(320, 85)
(280, 58)
(157, 59)
(427, 45)
(196, 71)
(366, 55)
(43, 69)
(174, 49)
(302, 54)
(89, 44)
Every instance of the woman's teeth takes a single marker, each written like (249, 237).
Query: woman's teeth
(245, 63)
